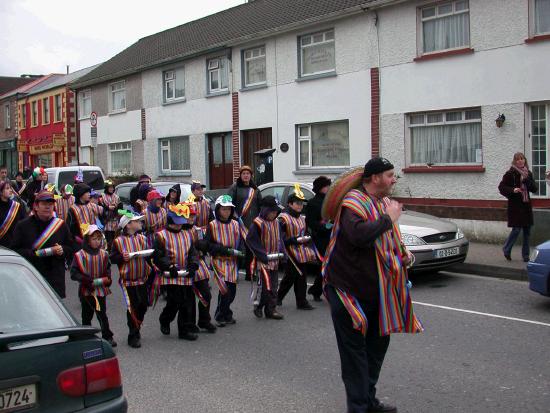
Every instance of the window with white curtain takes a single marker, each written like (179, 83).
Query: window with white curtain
(45, 111)
(175, 154)
(34, 113)
(445, 26)
(174, 84)
(58, 110)
(117, 99)
(217, 75)
(23, 115)
(7, 117)
(323, 145)
(317, 55)
(541, 10)
(84, 104)
(120, 155)
(445, 138)
(254, 66)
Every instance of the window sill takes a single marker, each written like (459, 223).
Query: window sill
(174, 173)
(443, 54)
(320, 171)
(438, 169)
(214, 94)
(57, 121)
(173, 102)
(116, 112)
(255, 87)
(538, 38)
(318, 76)
(84, 118)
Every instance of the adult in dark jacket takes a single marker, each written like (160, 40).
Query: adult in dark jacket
(11, 212)
(246, 198)
(134, 193)
(320, 229)
(47, 254)
(516, 184)
(37, 184)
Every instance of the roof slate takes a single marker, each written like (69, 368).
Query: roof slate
(60, 80)
(8, 83)
(214, 31)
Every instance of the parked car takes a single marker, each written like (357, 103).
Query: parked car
(123, 190)
(435, 243)
(49, 362)
(538, 269)
(93, 176)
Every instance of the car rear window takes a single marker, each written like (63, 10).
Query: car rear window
(25, 304)
(164, 188)
(92, 178)
(124, 193)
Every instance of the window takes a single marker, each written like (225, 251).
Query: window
(317, 53)
(45, 111)
(541, 16)
(539, 147)
(217, 75)
(120, 158)
(323, 145)
(174, 84)
(84, 104)
(23, 115)
(276, 192)
(58, 109)
(445, 26)
(254, 67)
(34, 113)
(174, 155)
(7, 117)
(117, 100)
(443, 138)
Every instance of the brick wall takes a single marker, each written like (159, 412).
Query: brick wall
(235, 134)
(375, 111)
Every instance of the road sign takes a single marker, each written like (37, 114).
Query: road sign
(93, 119)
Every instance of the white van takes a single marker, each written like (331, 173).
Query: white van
(93, 176)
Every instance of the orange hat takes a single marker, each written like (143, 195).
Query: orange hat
(245, 168)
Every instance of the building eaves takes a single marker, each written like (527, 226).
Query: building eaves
(23, 89)
(61, 80)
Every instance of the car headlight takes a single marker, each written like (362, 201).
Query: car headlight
(534, 255)
(410, 239)
(459, 234)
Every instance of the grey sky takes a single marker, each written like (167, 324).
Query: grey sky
(43, 36)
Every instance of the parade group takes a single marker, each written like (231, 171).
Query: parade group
(167, 246)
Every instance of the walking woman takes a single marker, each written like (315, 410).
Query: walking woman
(516, 184)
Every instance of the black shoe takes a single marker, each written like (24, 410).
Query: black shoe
(279, 303)
(134, 341)
(194, 329)
(165, 329)
(382, 407)
(111, 341)
(508, 257)
(525, 259)
(231, 321)
(274, 315)
(220, 323)
(209, 327)
(188, 336)
(258, 311)
(317, 298)
(306, 306)
(248, 277)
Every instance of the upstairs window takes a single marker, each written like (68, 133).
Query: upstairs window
(84, 104)
(58, 109)
(23, 116)
(217, 75)
(317, 54)
(445, 26)
(7, 117)
(117, 100)
(254, 67)
(542, 16)
(34, 113)
(174, 84)
(45, 111)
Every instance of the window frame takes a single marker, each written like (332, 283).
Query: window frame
(530, 137)
(408, 135)
(83, 95)
(34, 113)
(7, 116)
(46, 116)
(58, 111)
(420, 26)
(112, 93)
(112, 148)
(245, 60)
(220, 90)
(301, 74)
(168, 149)
(165, 81)
(532, 21)
(23, 116)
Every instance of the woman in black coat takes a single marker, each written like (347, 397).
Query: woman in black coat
(516, 184)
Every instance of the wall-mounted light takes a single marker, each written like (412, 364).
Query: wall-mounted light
(500, 120)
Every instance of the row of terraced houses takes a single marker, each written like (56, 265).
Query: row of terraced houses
(328, 84)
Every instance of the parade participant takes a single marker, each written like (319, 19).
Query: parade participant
(83, 211)
(111, 204)
(299, 247)
(64, 202)
(265, 241)
(4, 173)
(45, 241)
(134, 271)
(366, 276)
(173, 197)
(37, 184)
(320, 229)
(141, 202)
(134, 193)
(174, 252)
(246, 198)
(155, 216)
(204, 211)
(224, 243)
(92, 269)
(18, 185)
(11, 212)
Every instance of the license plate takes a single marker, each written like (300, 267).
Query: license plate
(21, 397)
(447, 252)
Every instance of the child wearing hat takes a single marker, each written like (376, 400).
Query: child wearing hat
(134, 269)
(92, 269)
(299, 249)
(64, 201)
(178, 261)
(265, 241)
(83, 211)
(224, 241)
(111, 204)
(204, 212)
(155, 215)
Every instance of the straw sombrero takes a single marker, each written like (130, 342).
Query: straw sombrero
(337, 191)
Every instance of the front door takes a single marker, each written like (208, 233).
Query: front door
(254, 140)
(220, 160)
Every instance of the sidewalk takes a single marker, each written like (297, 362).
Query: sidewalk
(488, 260)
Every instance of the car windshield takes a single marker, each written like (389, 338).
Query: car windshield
(92, 178)
(25, 304)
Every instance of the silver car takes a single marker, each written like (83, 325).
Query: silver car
(435, 243)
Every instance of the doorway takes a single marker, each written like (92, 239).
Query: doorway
(220, 160)
(254, 140)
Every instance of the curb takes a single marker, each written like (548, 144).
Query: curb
(493, 271)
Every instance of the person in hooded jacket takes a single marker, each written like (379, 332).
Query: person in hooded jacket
(173, 197)
(134, 192)
(82, 212)
(11, 212)
(141, 203)
(111, 204)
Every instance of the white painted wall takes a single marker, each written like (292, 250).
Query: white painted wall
(120, 127)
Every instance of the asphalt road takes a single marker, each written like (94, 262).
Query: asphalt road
(463, 362)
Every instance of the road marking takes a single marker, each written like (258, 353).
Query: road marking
(540, 323)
